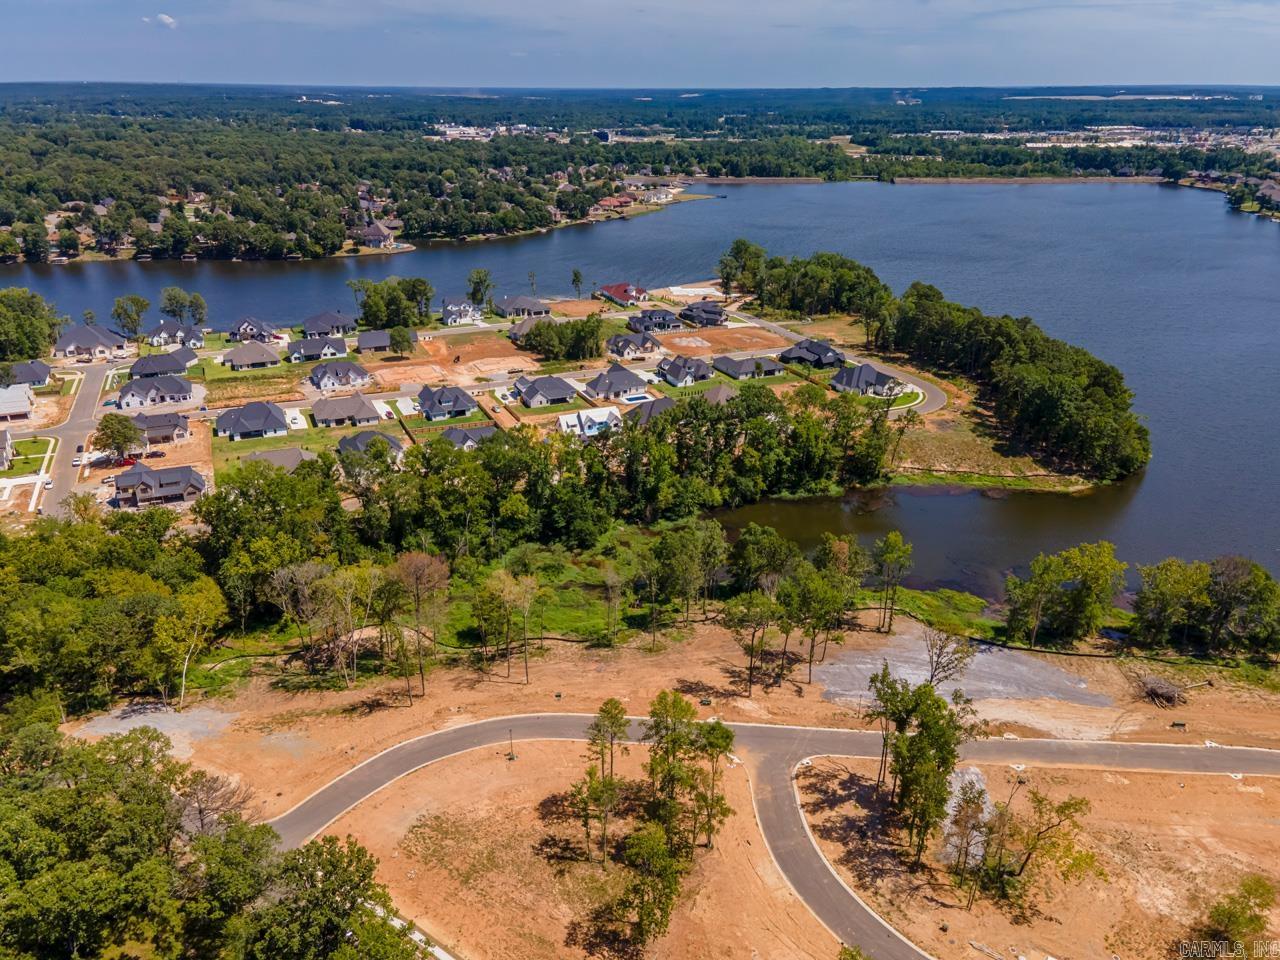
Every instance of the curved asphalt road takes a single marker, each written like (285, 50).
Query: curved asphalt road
(775, 752)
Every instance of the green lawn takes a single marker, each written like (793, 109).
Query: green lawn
(699, 388)
(56, 387)
(208, 368)
(28, 455)
(418, 423)
(521, 412)
(228, 453)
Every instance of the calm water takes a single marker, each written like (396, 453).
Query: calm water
(1168, 284)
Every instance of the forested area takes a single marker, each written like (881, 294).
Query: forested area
(283, 178)
(1065, 404)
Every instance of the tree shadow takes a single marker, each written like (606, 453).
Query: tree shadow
(374, 703)
(603, 934)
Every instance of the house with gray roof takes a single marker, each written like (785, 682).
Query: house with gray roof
(468, 438)
(250, 355)
(642, 413)
(656, 320)
(34, 373)
(704, 313)
(720, 394)
(445, 403)
(684, 371)
(328, 324)
(615, 383)
(88, 340)
(287, 459)
(629, 346)
(456, 310)
(375, 341)
(864, 379)
(256, 419)
(169, 331)
(748, 368)
(251, 328)
(16, 402)
(150, 391)
(520, 307)
(352, 411)
(316, 348)
(544, 391)
(813, 353)
(162, 427)
(337, 374)
(360, 442)
(142, 485)
(163, 364)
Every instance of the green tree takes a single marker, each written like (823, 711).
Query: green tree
(400, 340)
(128, 313)
(655, 883)
(1240, 917)
(118, 433)
(576, 282)
(892, 559)
(35, 243)
(28, 324)
(479, 286)
(608, 733)
(748, 617)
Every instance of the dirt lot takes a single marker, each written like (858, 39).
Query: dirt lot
(1167, 844)
(713, 341)
(580, 308)
(196, 451)
(49, 411)
(463, 360)
(472, 853)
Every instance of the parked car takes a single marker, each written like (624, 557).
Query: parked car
(79, 448)
(48, 484)
(128, 461)
(390, 415)
(75, 461)
(108, 403)
(154, 454)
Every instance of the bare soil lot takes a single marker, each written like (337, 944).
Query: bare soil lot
(478, 852)
(463, 360)
(713, 341)
(1168, 846)
(196, 451)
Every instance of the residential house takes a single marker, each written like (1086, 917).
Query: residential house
(865, 379)
(521, 308)
(142, 485)
(590, 422)
(162, 427)
(88, 340)
(629, 346)
(377, 236)
(684, 371)
(287, 459)
(150, 391)
(251, 328)
(257, 419)
(375, 341)
(163, 364)
(521, 327)
(250, 355)
(748, 368)
(813, 353)
(316, 348)
(720, 394)
(704, 313)
(336, 374)
(34, 373)
(353, 411)
(623, 294)
(445, 403)
(328, 324)
(456, 310)
(360, 443)
(6, 449)
(168, 332)
(615, 383)
(16, 402)
(642, 413)
(655, 321)
(544, 391)
(467, 438)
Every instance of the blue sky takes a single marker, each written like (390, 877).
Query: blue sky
(649, 43)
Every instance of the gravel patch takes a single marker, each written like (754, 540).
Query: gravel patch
(182, 729)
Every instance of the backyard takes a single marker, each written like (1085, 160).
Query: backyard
(28, 456)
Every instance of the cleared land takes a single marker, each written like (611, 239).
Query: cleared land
(464, 359)
(714, 341)
(1167, 844)
(482, 853)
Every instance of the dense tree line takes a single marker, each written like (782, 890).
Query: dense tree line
(115, 848)
(29, 325)
(1064, 403)
(579, 339)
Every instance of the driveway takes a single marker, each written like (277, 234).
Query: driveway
(773, 751)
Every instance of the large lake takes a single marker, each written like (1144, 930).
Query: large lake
(1166, 283)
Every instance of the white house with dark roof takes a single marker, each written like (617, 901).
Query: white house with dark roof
(151, 391)
(657, 320)
(521, 307)
(360, 443)
(328, 324)
(250, 355)
(468, 438)
(748, 368)
(339, 374)
(446, 403)
(684, 371)
(163, 364)
(377, 341)
(251, 328)
(287, 459)
(316, 348)
(704, 313)
(142, 485)
(34, 373)
(544, 391)
(813, 353)
(169, 331)
(459, 310)
(256, 419)
(590, 422)
(866, 380)
(629, 346)
(615, 383)
(88, 340)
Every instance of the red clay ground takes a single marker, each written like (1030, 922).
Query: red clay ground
(713, 341)
(479, 356)
(1168, 846)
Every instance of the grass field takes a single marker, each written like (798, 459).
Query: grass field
(228, 453)
(28, 455)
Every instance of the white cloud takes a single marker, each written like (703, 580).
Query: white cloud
(167, 21)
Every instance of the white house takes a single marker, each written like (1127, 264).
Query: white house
(590, 422)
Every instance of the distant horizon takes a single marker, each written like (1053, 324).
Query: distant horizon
(567, 44)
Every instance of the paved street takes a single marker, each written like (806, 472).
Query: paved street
(772, 753)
